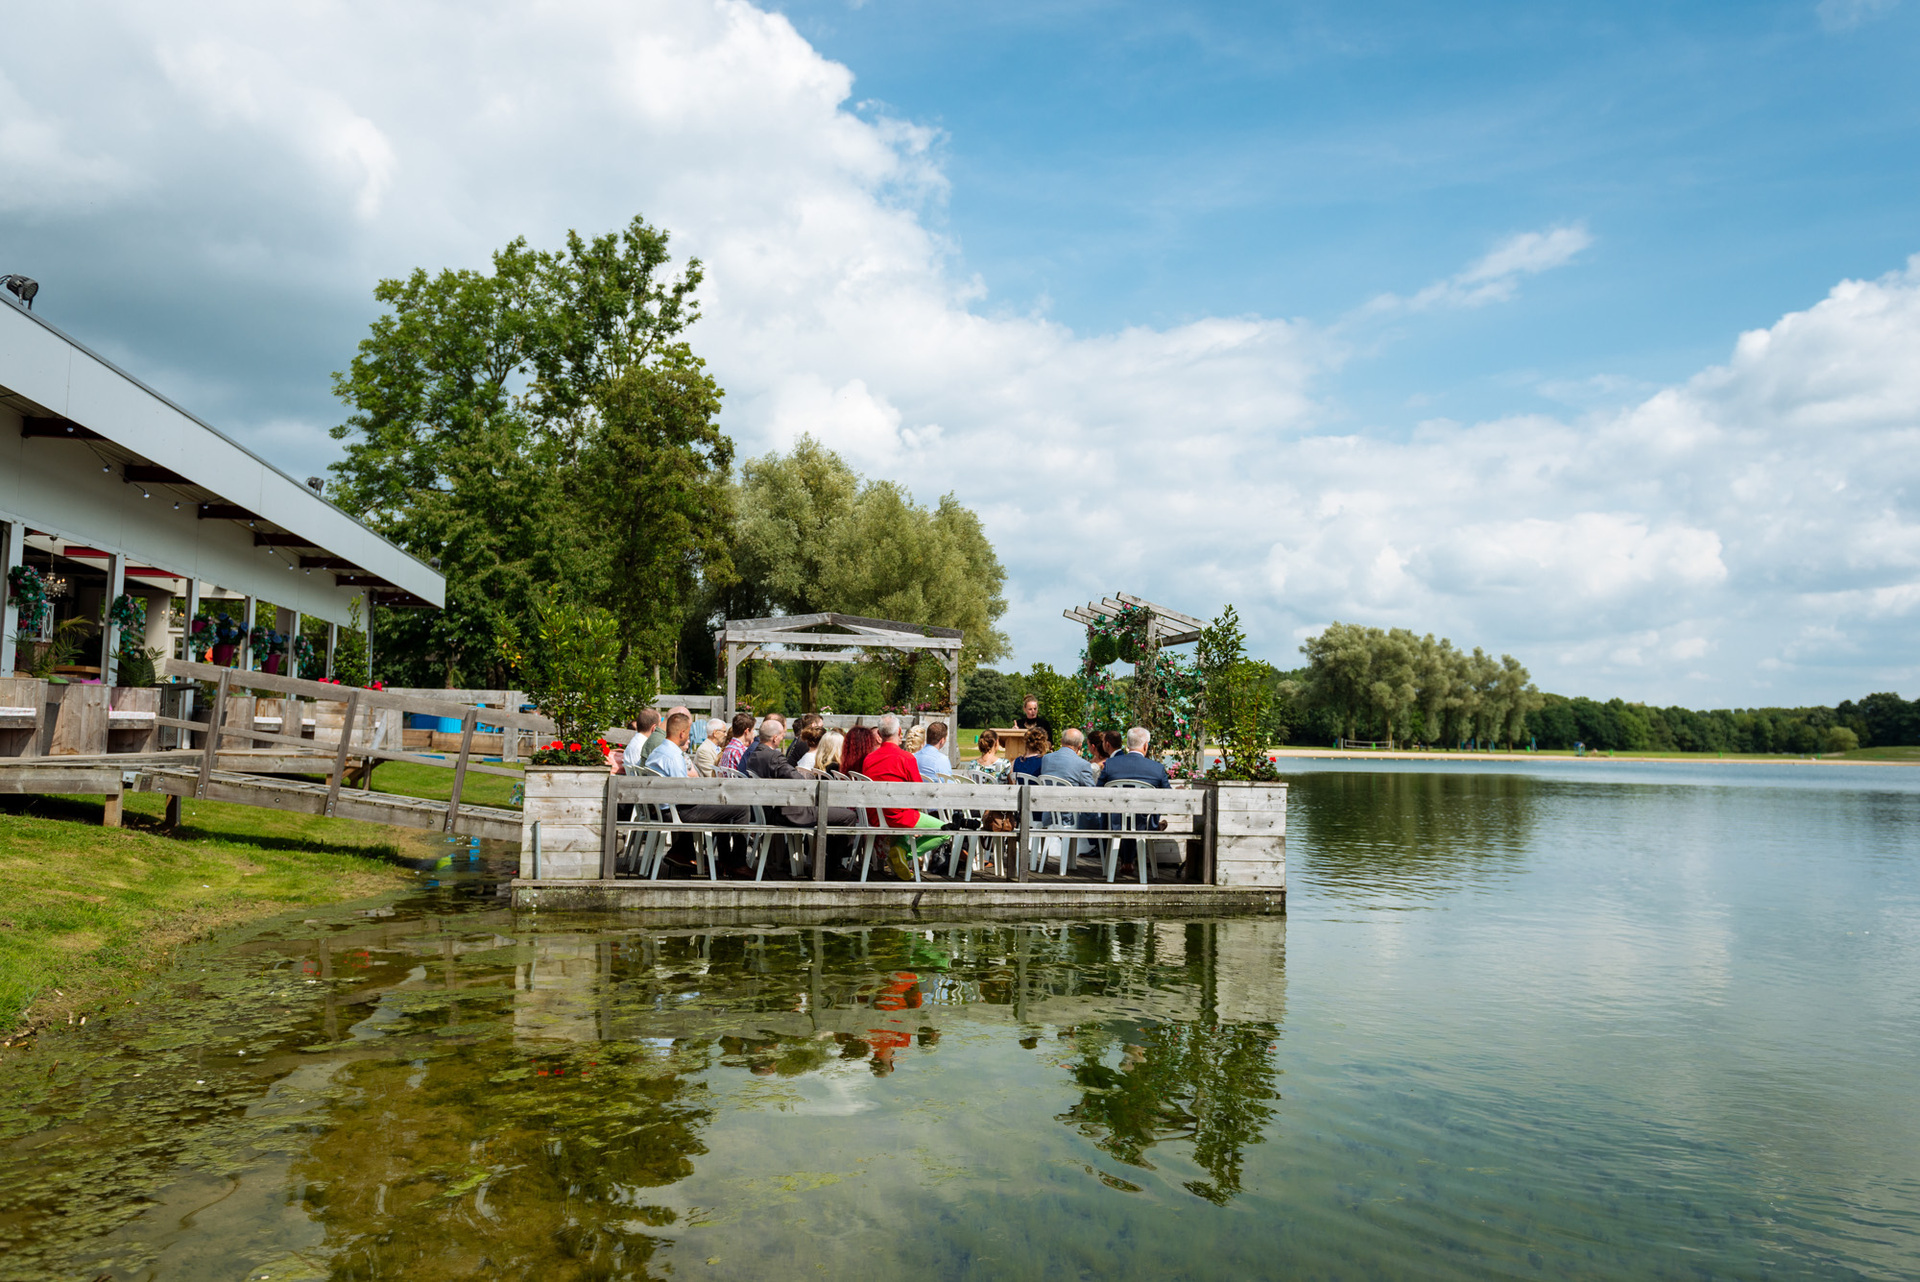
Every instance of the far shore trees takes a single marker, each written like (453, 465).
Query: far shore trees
(1394, 685)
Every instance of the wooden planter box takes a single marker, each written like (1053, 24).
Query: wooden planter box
(132, 724)
(81, 729)
(1250, 834)
(568, 803)
(23, 712)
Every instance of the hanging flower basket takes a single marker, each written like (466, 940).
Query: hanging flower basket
(29, 594)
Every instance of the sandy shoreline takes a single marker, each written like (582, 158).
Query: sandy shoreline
(1336, 754)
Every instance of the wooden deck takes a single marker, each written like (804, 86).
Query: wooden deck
(251, 778)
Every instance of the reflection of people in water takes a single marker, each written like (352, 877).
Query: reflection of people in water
(885, 1042)
(902, 994)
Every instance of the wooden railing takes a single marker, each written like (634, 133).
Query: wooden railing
(356, 701)
(1023, 801)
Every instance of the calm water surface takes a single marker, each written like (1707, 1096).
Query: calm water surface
(1586, 1020)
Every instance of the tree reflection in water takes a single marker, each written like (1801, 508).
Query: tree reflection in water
(1205, 1084)
(477, 1164)
(1410, 832)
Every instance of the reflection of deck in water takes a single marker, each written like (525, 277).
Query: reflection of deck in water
(819, 982)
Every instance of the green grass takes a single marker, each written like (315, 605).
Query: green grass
(89, 911)
(1882, 754)
(410, 779)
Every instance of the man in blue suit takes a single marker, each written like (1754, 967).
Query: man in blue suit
(1132, 762)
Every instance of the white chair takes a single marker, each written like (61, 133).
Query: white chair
(1131, 827)
(1047, 831)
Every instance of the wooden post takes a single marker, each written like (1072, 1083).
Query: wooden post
(340, 753)
(110, 635)
(953, 713)
(114, 809)
(215, 719)
(733, 666)
(609, 831)
(1026, 832)
(172, 819)
(1209, 833)
(460, 766)
(16, 554)
(820, 831)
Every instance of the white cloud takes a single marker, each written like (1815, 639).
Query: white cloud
(1845, 15)
(1495, 277)
(287, 156)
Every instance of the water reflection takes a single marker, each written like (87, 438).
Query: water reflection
(1418, 835)
(474, 1096)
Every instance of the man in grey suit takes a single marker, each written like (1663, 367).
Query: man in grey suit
(1065, 762)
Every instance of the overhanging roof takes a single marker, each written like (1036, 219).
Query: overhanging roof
(80, 412)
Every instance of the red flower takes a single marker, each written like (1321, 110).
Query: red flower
(573, 747)
(555, 744)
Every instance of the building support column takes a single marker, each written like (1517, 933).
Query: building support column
(246, 640)
(110, 635)
(15, 549)
(333, 645)
(366, 600)
(193, 610)
(287, 623)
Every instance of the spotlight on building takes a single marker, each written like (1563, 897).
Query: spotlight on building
(21, 288)
(317, 484)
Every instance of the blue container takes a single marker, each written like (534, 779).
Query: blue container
(421, 721)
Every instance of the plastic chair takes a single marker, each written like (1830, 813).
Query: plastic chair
(1046, 844)
(1129, 825)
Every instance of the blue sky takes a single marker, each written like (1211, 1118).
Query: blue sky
(1581, 333)
(1132, 163)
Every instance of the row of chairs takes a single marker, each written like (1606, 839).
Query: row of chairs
(1053, 836)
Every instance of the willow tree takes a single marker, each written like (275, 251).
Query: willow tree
(811, 536)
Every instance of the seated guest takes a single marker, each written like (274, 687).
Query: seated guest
(802, 745)
(1065, 762)
(932, 759)
(806, 743)
(670, 759)
(1038, 741)
(916, 739)
(827, 756)
(1134, 763)
(766, 761)
(990, 761)
(706, 758)
(1101, 743)
(738, 741)
(648, 734)
(853, 753)
(890, 762)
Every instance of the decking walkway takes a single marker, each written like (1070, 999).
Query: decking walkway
(251, 779)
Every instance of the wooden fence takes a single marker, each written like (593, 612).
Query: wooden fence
(357, 705)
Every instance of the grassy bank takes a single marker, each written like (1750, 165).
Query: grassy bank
(89, 912)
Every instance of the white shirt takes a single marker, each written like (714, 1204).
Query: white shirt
(669, 758)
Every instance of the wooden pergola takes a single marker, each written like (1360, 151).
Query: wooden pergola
(1167, 627)
(837, 638)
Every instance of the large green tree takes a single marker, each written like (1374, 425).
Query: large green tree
(540, 423)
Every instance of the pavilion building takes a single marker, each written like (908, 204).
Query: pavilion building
(107, 488)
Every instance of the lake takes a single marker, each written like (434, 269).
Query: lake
(1574, 1019)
